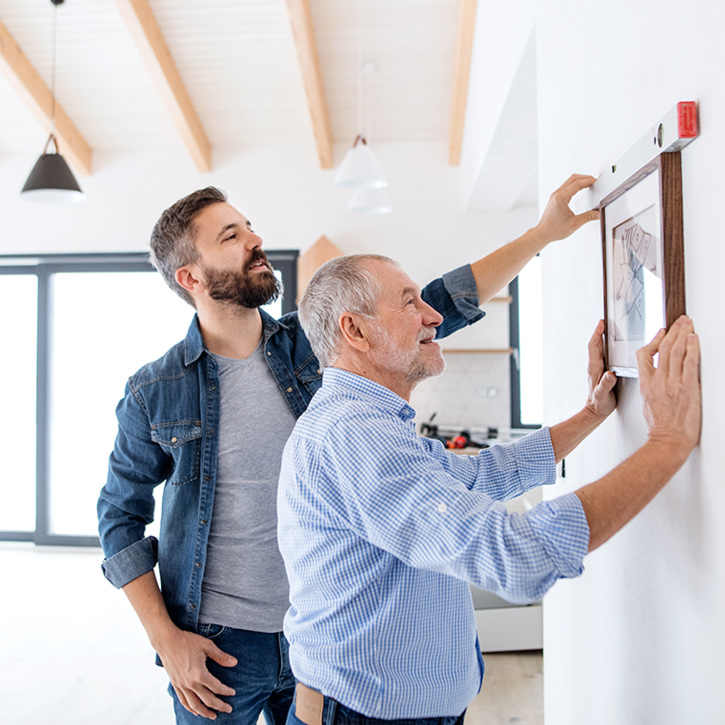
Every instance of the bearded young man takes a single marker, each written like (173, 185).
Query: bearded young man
(210, 419)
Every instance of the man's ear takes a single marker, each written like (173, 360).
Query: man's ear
(354, 331)
(187, 278)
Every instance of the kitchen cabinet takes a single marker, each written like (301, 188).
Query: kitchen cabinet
(488, 336)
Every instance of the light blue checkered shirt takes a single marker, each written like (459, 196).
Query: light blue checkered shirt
(382, 530)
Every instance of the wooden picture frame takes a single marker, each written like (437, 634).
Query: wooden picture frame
(643, 260)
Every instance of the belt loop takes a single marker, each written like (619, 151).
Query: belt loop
(329, 711)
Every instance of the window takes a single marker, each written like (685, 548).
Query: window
(525, 325)
(80, 325)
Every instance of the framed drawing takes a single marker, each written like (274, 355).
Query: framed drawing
(644, 271)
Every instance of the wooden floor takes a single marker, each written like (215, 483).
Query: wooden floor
(72, 652)
(512, 692)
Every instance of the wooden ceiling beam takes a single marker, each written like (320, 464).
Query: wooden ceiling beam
(145, 31)
(38, 97)
(464, 53)
(303, 31)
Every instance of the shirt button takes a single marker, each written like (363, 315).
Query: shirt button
(174, 439)
(192, 606)
(207, 478)
(212, 387)
(198, 565)
(268, 352)
(203, 522)
(289, 390)
(442, 508)
(211, 432)
(318, 371)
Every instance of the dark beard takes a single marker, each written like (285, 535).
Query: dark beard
(238, 287)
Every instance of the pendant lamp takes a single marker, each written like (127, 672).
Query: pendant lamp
(51, 179)
(372, 201)
(360, 169)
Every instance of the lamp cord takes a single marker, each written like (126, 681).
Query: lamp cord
(52, 77)
(359, 71)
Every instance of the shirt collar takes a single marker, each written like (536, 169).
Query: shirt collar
(195, 342)
(337, 378)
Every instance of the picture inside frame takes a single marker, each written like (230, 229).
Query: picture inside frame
(635, 294)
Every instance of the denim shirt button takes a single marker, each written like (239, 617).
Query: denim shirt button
(198, 565)
(192, 606)
(289, 390)
(268, 352)
(211, 432)
(203, 522)
(207, 478)
(212, 387)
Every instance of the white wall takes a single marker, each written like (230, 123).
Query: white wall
(502, 32)
(639, 638)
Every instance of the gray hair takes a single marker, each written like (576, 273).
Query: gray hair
(172, 238)
(344, 284)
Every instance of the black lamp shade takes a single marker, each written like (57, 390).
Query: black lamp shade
(52, 180)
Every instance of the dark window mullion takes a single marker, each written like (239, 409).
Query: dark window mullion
(42, 494)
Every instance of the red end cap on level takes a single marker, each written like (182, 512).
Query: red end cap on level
(687, 119)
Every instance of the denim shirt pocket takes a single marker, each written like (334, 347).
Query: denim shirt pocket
(182, 441)
(309, 374)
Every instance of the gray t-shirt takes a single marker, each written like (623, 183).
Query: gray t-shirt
(245, 584)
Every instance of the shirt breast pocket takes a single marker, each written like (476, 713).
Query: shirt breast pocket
(181, 441)
(309, 374)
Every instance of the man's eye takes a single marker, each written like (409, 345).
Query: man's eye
(231, 236)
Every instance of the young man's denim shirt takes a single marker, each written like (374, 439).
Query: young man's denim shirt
(167, 431)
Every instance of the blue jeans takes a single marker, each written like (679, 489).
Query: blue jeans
(262, 677)
(333, 713)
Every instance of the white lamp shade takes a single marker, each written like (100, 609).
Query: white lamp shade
(372, 201)
(360, 169)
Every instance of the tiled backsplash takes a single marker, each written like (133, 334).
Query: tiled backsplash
(473, 392)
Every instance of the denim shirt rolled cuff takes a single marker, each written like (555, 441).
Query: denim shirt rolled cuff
(461, 286)
(131, 562)
(561, 526)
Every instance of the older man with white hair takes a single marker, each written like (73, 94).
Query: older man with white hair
(381, 531)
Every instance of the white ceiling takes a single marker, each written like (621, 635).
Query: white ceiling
(238, 61)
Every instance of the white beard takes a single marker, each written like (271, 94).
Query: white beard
(413, 363)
